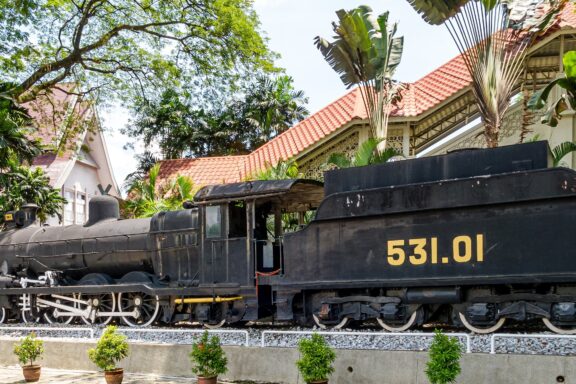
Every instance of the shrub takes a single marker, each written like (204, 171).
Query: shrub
(444, 364)
(316, 359)
(29, 349)
(208, 357)
(110, 349)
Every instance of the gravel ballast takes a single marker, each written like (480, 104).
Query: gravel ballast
(535, 344)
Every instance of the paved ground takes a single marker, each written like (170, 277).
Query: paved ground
(13, 375)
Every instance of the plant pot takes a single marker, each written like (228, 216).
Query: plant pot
(114, 376)
(319, 382)
(31, 373)
(207, 380)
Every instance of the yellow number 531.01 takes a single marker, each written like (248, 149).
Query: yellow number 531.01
(420, 251)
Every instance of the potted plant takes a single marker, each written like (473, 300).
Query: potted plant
(444, 364)
(29, 350)
(316, 359)
(208, 359)
(111, 348)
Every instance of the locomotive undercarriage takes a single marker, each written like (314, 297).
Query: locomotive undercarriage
(137, 304)
(480, 310)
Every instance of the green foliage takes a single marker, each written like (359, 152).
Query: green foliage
(147, 197)
(493, 37)
(15, 125)
(281, 171)
(562, 150)
(208, 357)
(567, 100)
(366, 52)
(316, 359)
(29, 349)
(22, 185)
(132, 46)
(268, 107)
(110, 349)
(366, 154)
(444, 364)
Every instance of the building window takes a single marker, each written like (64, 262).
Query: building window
(76, 209)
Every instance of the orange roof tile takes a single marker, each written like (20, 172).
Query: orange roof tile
(417, 98)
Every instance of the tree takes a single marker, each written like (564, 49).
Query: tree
(493, 37)
(366, 154)
(444, 364)
(133, 46)
(23, 185)
(147, 197)
(271, 107)
(366, 53)
(266, 108)
(15, 125)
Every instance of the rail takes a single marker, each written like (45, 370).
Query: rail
(47, 329)
(522, 336)
(164, 330)
(384, 334)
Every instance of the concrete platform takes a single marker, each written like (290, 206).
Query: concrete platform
(13, 375)
(277, 365)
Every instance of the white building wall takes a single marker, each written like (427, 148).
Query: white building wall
(80, 186)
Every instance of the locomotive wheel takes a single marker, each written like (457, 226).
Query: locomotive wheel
(51, 319)
(104, 302)
(340, 325)
(400, 328)
(147, 307)
(556, 328)
(482, 331)
(214, 325)
(26, 314)
(3, 315)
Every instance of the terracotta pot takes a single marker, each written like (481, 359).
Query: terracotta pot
(114, 376)
(31, 373)
(319, 382)
(207, 380)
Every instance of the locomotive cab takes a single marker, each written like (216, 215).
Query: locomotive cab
(242, 227)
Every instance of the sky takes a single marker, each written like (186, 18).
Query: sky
(290, 26)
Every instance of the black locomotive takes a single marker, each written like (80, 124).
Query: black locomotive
(471, 238)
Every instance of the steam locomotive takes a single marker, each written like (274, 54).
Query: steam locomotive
(472, 238)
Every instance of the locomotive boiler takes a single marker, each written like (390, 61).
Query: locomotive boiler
(474, 238)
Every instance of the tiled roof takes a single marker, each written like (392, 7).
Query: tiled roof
(417, 98)
(230, 169)
(205, 170)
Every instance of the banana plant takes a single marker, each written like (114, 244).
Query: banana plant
(566, 100)
(493, 37)
(365, 53)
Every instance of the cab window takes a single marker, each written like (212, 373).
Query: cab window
(213, 222)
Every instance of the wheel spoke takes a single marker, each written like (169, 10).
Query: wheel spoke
(148, 309)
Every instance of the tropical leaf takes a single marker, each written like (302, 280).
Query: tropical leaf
(339, 160)
(365, 52)
(436, 12)
(561, 150)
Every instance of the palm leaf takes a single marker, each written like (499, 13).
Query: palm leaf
(561, 150)
(436, 12)
(339, 160)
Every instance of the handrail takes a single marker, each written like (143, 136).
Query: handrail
(422, 334)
